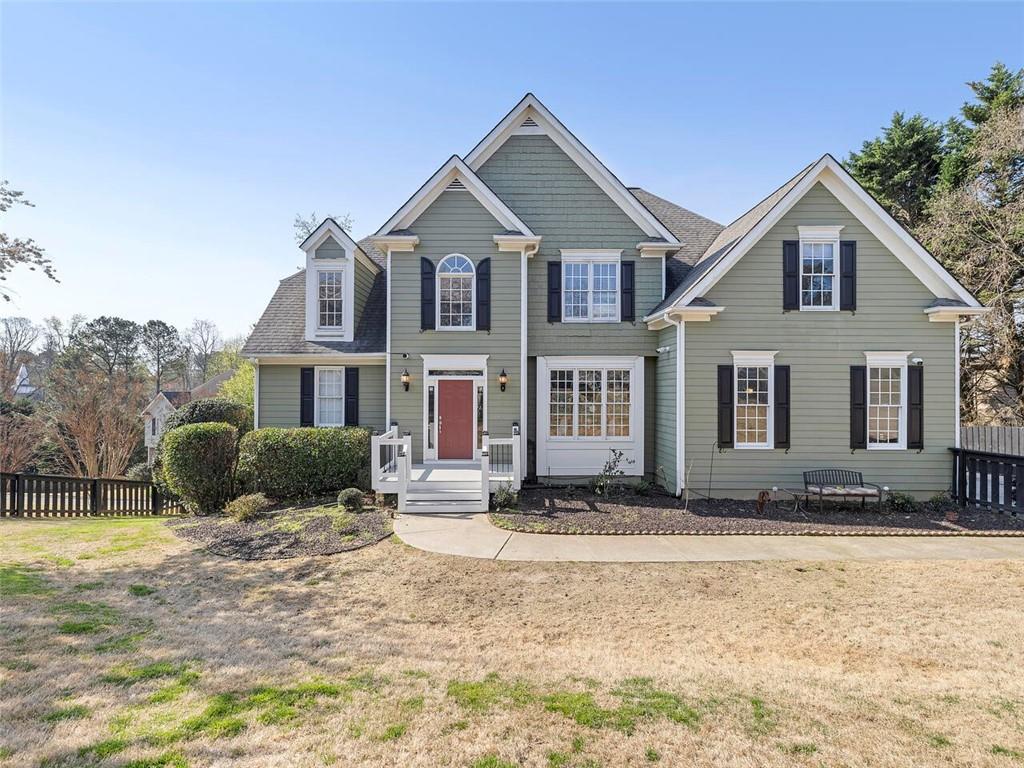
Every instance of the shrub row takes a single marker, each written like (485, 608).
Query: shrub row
(310, 461)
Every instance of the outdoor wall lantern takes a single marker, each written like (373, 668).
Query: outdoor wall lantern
(405, 379)
(503, 379)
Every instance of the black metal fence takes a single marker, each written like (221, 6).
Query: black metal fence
(992, 480)
(61, 496)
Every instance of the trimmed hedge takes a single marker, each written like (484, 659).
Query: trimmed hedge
(198, 464)
(209, 409)
(303, 462)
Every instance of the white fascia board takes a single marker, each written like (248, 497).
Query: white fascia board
(669, 317)
(954, 314)
(328, 228)
(530, 106)
(454, 169)
(527, 244)
(332, 358)
(153, 403)
(843, 186)
(655, 250)
(395, 243)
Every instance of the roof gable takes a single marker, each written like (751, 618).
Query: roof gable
(529, 116)
(456, 174)
(328, 228)
(737, 238)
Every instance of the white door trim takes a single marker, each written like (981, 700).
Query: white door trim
(451, 362)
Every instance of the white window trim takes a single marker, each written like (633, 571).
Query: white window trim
(887, 360)
(591, 257)
(437, 296)
(754, 359)
(316, 394)
(314, 266)
(575, 437)
(330, 329)
(814, 236)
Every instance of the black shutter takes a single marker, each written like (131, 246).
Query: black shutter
(848, 275)
(858, 406)
(791, 274)
(628, 304)
(427, 281)
(725, 408)
(483, 295)
(554, 291)
(351, 397)
(306, 397)
(915, 409)
(782, 406)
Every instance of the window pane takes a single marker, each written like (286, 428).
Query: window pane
(589, 417)
(575, 289)
(329, 295)
(618, 403)
(606, 290)
(561, 403)
(456, 301)
(330, 401)
(885, 397)
(817, 271)
(752, 406)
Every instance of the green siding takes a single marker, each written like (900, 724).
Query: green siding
(820, 347)
(279, 395)
(329, 249)
(455, 223)
(663, 408)
(558, 201)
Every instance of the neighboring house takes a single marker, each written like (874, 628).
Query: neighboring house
(24, 388)
(524, 285)
(166, 402)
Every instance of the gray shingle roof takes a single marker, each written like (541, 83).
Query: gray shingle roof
(947, 303)
(729, 236)
(282, 328)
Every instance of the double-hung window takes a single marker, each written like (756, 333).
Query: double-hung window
(589, 403)
(887, 400)
(330, 397)
(819, 268)
(330, 299)
(590, 286)
(455, 293)
(753, 387)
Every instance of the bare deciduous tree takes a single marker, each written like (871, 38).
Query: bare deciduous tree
(203, 341)
(17, 337)
(20, 435)
(15, 251)
(306, 225)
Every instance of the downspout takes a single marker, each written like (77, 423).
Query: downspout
(255, 393)
(680, 400)
(524, 422)
(387, 348)
(956, 383)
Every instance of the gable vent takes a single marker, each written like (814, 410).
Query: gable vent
(529, 123)
(455, 186)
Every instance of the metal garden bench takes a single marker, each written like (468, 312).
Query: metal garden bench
(840, 483)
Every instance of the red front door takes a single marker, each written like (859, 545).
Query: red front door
(455, 419)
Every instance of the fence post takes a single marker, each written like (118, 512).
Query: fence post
(94, 496)
(155, 499)
(18, 503)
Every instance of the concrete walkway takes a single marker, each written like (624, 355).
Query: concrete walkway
(472, 535)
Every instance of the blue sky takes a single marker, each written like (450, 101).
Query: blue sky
(168, 147)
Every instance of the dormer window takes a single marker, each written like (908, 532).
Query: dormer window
(331, 299)
(819, 268)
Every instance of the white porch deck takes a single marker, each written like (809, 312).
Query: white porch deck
(450, 474)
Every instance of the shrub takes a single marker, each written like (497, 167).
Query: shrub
(304, 462)
(609, 480)
(901, 503)
(505, 497)
(351, 499)
(198, 464)
(139, 472)
(247, 507)
(210, 409)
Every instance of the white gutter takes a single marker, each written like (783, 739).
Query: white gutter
(680, 401)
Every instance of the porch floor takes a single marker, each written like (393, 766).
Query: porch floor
(453, 474)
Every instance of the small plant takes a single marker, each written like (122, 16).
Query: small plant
(247, 507)
(140, 590)
(901, 503)
(644, 487)
(609, 480)
(506, 497)
(351, 499)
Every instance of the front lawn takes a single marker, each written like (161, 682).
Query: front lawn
(575, 510)
(122, 644)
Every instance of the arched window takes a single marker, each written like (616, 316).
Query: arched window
(455, 293)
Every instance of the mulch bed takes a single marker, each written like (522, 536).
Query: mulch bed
(561, 510)
(309, 529)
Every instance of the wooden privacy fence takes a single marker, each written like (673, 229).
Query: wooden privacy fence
(1005, 440)
(60, 496)
(993, 480)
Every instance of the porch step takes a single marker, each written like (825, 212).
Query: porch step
(443, 507)
(417, 486)
(443, 494)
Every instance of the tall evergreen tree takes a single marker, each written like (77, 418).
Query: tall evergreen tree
(901, 167)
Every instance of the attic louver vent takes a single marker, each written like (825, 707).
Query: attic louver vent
(456, 185)
(529, 123)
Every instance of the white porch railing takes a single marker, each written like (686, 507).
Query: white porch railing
(504, 459)
(384, 458)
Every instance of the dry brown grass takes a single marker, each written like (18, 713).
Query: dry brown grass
(788, 664)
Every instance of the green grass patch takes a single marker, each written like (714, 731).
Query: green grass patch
(416, 674)
(639, 700)
(166, 760)
(6, 752)
(16, 581)
(59, 560)
(81, 618)
(493, 761)
(18, 665)
(101, 750)
(652, 755)
(72, 712)
(763, 718)
(121, 644)
(482, 695)
(1016, 754)
(393, 732)
(87, 586)
(558, 760)
(938, 741)
(140, 590)
(128, 675)
(799, 748)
